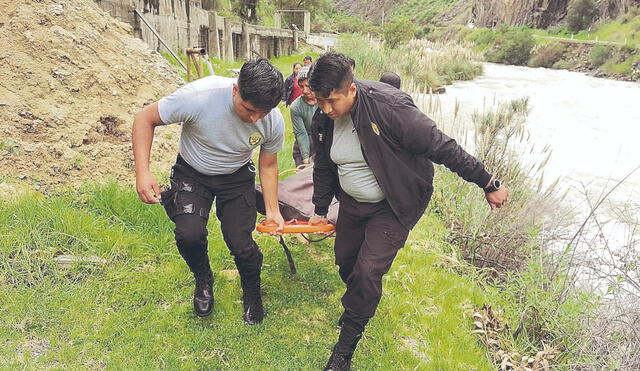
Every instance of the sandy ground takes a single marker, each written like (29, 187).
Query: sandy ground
(71, 81)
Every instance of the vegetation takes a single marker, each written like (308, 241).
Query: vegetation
(422, 64)
(511, 46)
(547, 55)
(580, 14)
(400, 31)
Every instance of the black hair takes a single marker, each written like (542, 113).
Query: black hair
(307, 57)
(352, 62)
(392, 79)
(296, 63)
(332, 71)
(261, 84)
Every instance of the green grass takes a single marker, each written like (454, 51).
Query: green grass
(225, 68)
(134, 312)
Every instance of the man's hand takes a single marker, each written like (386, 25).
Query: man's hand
(317, 220)
(275, 218)
(306, 160)
(147, 188)
(497, 198)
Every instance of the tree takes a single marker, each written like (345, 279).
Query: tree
(398, 31)
(580, 14)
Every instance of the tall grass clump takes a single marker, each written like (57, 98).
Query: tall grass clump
(515, 248)
(422, 64)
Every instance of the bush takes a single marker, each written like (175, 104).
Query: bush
(561, 65)
(513, 46)
(580, 14)
(599, 55)
(547, 55)
(398, 32)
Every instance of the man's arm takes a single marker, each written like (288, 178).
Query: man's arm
(144, 125)
(325, 181)
(268, 169)
(300, 132)
(418, 134)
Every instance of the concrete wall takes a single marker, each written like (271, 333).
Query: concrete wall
(184, 23)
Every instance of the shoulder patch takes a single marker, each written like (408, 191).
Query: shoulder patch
(375, 128)
(255, 139)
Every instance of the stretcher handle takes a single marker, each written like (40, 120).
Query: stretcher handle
(296, 226)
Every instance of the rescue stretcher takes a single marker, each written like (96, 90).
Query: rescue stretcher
(296, 207)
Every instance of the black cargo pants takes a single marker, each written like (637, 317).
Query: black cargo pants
(188, 204)
(368, 237)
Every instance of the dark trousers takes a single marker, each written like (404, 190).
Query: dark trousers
(188, 204)
(368, 237)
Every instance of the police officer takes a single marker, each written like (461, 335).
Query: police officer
(223, 121)
(374, 151)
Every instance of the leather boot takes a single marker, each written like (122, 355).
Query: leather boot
(252, 300)
(340, 359)
(203, 294)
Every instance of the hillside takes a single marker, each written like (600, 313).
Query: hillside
(71, 80)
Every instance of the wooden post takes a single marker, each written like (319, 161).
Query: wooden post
(188, 68)
(228, 41)
(295, 39)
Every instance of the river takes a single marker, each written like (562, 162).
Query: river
(592, 126)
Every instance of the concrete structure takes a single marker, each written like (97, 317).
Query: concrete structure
(184, 23)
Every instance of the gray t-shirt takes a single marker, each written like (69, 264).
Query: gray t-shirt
(214, 140)
(356, 177)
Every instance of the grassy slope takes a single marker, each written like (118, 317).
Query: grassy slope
(134, 312)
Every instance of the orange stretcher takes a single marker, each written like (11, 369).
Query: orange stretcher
(296, 226)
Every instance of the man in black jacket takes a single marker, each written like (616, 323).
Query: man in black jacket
(374, 152)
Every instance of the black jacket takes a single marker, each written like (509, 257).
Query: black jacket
(399, 143)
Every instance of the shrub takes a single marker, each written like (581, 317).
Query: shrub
(580, 14)
(547, 55)
(561, 65)
(599, 55)
(513, 46)
(397, 32)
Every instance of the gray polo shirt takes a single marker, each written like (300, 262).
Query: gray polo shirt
(214, 140)
(356, 177)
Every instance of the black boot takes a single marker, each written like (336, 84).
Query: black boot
(203, 294)
(252, 299)
(340, 359)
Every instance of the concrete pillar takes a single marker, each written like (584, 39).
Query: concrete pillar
(214, 37)
(277, 20)
(279, 47)
(295, 40)
(307, 23)
(228, 41)
(246, 42)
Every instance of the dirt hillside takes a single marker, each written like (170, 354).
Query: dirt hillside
(72, 78)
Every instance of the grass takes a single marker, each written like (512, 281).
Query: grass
(134, 312)
(225, 68)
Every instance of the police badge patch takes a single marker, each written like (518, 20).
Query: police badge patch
(255, 139)
(375, 128)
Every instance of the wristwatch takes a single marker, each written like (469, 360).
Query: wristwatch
(320, 216)
(493, 186)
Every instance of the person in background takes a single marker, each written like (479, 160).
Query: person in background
(302, 110)
(223, 121)
(307, 61)
(375, 151)
(291, 88)
(391, 78)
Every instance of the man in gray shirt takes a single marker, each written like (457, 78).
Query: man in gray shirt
(223, 121)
